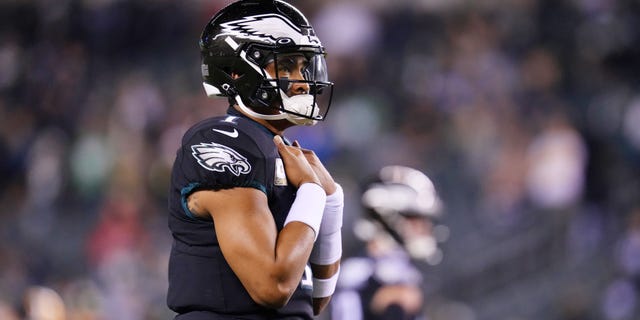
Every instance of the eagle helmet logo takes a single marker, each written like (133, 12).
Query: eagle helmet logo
(269, 28)
(220, 158)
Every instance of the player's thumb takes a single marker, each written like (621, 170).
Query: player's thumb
(280, 144)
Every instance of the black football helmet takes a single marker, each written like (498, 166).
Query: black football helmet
(402, 203)
(242, 39)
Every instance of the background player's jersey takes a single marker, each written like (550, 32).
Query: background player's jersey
(360, 279)
(221, 153)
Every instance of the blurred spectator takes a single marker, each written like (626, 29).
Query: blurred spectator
(620, 300)
(7, 311)
(42, 303)
(628, 250)
(556, 160)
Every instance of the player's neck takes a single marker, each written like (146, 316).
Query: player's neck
(275, 126)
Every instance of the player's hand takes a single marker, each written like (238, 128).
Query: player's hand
(326, 180)
(296, 165)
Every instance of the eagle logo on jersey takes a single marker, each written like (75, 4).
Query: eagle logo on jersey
(220, 158)
(271, 28)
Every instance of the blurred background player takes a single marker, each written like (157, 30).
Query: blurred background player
(384, 283)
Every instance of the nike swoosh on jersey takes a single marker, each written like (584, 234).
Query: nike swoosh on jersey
(232, 134)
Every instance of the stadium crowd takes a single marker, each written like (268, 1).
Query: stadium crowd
(525, 114)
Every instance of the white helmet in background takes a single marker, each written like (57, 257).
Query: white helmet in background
(402, 204)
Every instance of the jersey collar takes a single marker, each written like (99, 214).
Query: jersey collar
(233, 112)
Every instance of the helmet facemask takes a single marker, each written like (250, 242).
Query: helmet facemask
(295, 86)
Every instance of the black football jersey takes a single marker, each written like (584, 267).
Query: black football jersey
(220, 153)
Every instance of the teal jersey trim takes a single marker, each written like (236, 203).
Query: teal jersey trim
(186, 191)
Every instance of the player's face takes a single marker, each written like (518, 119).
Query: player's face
(291, 67)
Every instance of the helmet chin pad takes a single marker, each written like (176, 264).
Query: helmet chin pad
(301, 109)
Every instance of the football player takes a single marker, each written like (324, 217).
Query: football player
(401, 207)
(256, 220)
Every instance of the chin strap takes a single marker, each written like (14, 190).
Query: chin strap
(252, 113)
(302, 104)
(295, 104)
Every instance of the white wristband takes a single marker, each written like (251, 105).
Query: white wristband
(332, 217)
(325, 287)
(308, 206)
(328, 246)
(327, 249)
